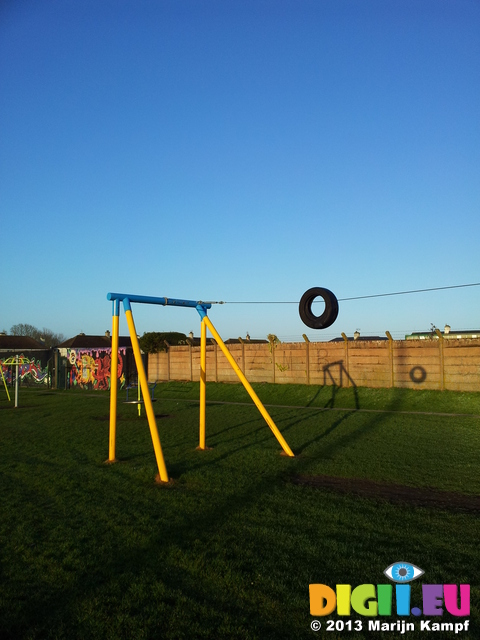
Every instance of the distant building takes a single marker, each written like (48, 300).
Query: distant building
(447, 334)
(244, 340)
(359, 338)
(84, 361)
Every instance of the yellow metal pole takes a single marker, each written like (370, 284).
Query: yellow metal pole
(113, 386)
(203, 380)
(4, 381)
(157, 447)
(248, 387)
(139, 399)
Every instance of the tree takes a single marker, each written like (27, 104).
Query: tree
(24, 330)
(154, 341)
(48, 337)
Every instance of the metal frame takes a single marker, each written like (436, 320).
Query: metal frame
(201, 308)
(10, 362)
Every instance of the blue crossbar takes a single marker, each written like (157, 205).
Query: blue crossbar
(174, 302)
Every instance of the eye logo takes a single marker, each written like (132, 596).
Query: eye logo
(403, 572)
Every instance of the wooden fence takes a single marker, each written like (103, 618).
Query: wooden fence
(416, 364)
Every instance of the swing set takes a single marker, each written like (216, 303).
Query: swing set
(201, 307)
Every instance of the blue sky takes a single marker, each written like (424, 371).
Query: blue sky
(241, 150)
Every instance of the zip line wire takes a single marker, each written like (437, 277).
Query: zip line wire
(377, 295)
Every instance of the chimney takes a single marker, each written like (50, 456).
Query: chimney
(107, 333)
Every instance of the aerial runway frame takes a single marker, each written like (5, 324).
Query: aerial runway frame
(201, 307)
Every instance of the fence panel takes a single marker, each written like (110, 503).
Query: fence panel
(422, 364)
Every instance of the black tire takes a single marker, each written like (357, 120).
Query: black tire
(330, 314)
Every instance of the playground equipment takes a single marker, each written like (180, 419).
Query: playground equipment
(14, 361)
(201, 307)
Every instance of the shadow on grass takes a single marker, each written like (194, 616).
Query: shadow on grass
(343, 375)
(352, 436)
(190, 589)
(20, 406)
(301, 449)
(160, 577)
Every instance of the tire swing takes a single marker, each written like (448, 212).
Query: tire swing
(330, 313)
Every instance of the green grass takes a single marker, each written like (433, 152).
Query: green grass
(332, 397)
(228, 549)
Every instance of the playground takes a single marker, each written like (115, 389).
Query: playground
(228, 546)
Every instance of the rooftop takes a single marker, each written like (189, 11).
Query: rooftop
(82, 341)
(19, 342)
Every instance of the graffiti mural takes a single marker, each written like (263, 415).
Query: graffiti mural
(90, 368)
(28, 369)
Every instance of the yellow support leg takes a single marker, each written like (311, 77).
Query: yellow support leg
(162, 469)
(4, 382)
(113, 389)
(203, 380)
(249, 388)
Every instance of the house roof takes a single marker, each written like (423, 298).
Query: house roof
(360, 339)
(82, 341)
(465, 332)
(245, 341)
(196, 342)
(20, 342)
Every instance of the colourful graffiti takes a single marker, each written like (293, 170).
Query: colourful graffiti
(90, 368)
(26, 368)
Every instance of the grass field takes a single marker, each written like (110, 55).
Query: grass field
(228, 549)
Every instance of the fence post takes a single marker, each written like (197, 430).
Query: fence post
(191, 358)
(442, 359)
(56, 365)
(167, 345)
(243, 354)
(307, 356)
(346, 361)
(390, 355)
(272, 349)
